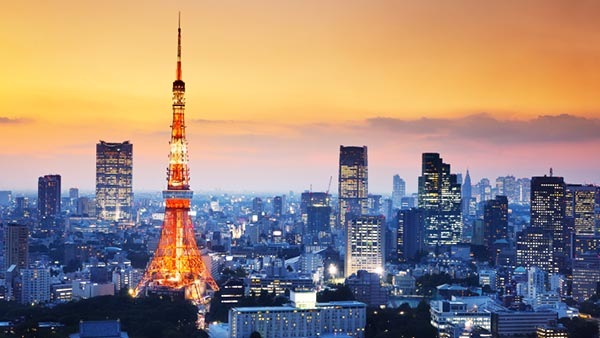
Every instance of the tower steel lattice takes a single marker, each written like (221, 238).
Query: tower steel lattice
(177, 264)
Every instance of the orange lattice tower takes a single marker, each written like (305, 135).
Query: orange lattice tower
(177, 264)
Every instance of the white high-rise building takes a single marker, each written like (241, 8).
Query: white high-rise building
(364, 245)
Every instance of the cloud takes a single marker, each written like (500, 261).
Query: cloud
(483, 127)
(8, 120)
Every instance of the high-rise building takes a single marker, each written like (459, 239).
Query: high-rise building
(580, 207)
(35, 285)
(466, 195)
(48, 197)
(410, 234)
(114, 187)
(5, 198)
(508, 186)
(353, 182)
(16, 246)
(257, 206)
(524, 186)
(534, 248)
(398, 190)
(548, 213)
(586, 276)
(364, 244)
(277, 205)
(440, 199)
(495, 220)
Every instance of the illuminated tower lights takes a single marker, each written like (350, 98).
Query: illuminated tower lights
(177, 263)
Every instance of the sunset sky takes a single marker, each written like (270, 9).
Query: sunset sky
(275, 87)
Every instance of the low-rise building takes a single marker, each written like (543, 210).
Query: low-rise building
(303, 318)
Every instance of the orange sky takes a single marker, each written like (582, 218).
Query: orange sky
(264, 76)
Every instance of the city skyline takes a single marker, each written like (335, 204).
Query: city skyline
(275, 84)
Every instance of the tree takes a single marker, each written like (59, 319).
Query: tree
(255, 334)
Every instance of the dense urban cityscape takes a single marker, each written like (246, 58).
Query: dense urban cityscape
(460, 257)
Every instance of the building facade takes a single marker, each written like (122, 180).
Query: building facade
(548, 213)
(48, 197)
(114, 187)
(303, 318)
(16, 246)
(440, 199)
(352, 182)
(364, 244)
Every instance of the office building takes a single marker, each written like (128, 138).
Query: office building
(495, 218)
(580, 213)
(548, 213)
(555, 331)
(100, 329)
(514, 324)
(16, 246)
(364, 244)
(303, 318)
(586, 276)
(277, 206)
(352, 183)
(440, 199)
(366, 288)
(398, 190)
(114, 187)
(5, 198)
(534, 248)
(466, 195)
(410, 234)
(48, 198)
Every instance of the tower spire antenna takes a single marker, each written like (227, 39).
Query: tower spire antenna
(178, 75)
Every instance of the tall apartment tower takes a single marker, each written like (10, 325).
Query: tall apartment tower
(48, 196)
(440, 199)
(364, 247)
(398, 191)
(16, 246)
(114, 189)
(548, 205)
(353, 182)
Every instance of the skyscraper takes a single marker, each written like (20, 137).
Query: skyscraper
(548, 213)
(466, 195)
(114, 188)
(353, 182)
(398, 190)
(277, 206)
(410, 234)
(16, 246)
(48, 197)
(495, 218)
(440, 199)
(534, 248)
(580, 211)
(364, 246)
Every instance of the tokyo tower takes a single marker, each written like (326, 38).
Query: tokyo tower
(177, 265)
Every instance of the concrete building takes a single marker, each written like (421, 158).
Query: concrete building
(367, 288)
(520, 323)
(35, 285)
(303, 318)
(365, 244)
